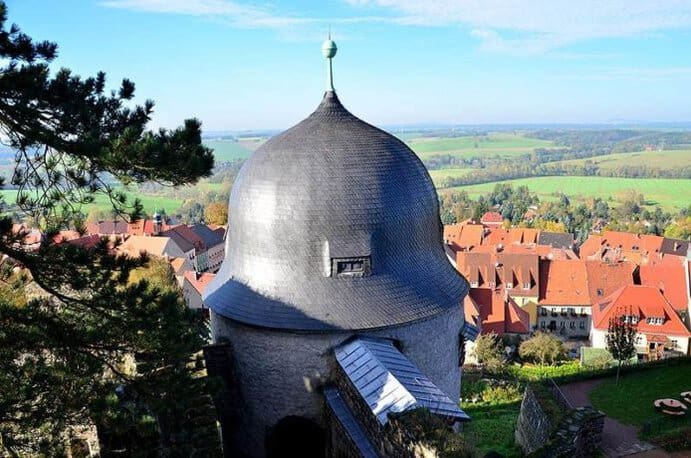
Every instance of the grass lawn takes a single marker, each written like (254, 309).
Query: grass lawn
(670, 194)
(495, 144)
(492, 427)
(631, 402)
(665, 160)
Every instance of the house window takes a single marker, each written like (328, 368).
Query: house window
(599, 292)
(543, 324)
(526, 285)
(581, 325)
(473, 284)
(572, 325)
(562, 325)
(350, 267)
(509, 285)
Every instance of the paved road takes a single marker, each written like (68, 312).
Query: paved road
(617, 439)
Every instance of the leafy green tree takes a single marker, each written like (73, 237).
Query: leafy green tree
(488, 351)
(64, 352)
(621, 339)
(543, 348)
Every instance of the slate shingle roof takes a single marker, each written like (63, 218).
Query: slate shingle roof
(328, 185)
(210, 237)
(389, 382)
(555, 239)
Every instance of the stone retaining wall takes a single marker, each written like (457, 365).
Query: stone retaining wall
(577, 434)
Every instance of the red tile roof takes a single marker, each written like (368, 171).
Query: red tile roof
(188, 234)
(88, 241)
(615, 245)
(514, 235)
(563, 283)
(669, 276)
(491, 218)
(606, 277)
(471, 311)
(644, 302)
(463, 236)
(199, 281)
(498, 313)
(493, 270)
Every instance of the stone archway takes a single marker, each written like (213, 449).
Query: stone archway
(296, 436)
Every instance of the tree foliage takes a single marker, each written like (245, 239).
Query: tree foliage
(216, 213)
(621, 339)
(488, 351)
(65, 351)
(542, 348)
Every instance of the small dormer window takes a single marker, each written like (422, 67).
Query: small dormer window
(350, 267)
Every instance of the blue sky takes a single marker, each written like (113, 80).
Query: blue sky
(249, 65)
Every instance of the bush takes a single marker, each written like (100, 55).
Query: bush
(679, 440)
(502, 394)
(534, 373)
(472, 388)
(542, 348)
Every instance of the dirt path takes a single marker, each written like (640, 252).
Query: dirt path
(617, 439)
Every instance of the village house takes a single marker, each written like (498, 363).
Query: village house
(214, 245)
(564, 304)
(660, 330)
(193, 287)
(155, 246)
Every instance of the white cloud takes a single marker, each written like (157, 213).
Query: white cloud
(534, 26)
(241, 15)
(507, 26)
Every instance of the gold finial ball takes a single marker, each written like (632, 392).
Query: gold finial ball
(329, 48)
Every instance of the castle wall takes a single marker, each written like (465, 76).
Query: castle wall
(279, 372)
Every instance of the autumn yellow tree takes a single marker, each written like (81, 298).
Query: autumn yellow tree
(216, 213)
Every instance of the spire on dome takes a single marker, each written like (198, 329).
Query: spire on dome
(329, 51)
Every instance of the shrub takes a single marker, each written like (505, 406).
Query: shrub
(502, 394)
(679, 440)
(532, 373)
(542, 348)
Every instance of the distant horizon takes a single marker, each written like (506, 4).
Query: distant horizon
(403, 128)
(239, 65)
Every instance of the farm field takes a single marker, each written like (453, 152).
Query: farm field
(666, 160)
(670, 194)
(230, 150)
(495, 144)
(151, 203)
(439, 175)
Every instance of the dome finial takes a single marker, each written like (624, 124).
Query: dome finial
(329, 51)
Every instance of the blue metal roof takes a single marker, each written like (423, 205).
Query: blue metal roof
(389, 382)
(352, 426)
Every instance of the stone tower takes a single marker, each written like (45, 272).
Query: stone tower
(334, 234)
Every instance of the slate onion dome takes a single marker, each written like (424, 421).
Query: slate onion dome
(334, 225)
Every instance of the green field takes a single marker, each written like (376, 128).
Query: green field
(668, 193)
(229, 150)
(439, 175)
(151, 203)
(495, 144)
(666, 160)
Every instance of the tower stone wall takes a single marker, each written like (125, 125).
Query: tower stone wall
(280, 373)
